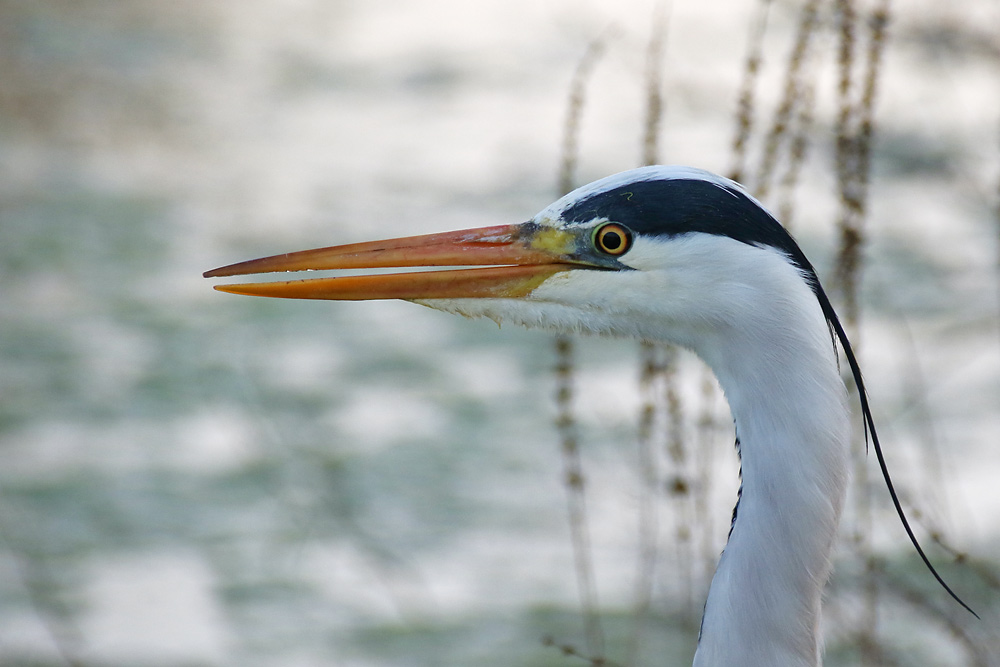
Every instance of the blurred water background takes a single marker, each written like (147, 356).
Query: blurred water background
(191, 478)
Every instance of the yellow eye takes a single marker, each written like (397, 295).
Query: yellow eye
(612, 239)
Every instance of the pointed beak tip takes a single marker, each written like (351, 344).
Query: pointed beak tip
(218, 272)
(223, 271)
(230, 289)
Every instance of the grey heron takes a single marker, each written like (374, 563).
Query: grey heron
(678, 255)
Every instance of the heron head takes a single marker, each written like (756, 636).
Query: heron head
(660, 253)
(647, 251)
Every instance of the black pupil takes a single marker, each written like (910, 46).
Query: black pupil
(611, 240)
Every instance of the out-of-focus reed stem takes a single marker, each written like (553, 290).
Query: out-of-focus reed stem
(652, 370)
(745, 105)
(792, 99)
(854, 134)
(573, 474)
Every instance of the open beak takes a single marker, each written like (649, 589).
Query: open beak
(513, 261)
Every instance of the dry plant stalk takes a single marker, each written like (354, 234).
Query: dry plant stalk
(570, 651)
(802, 124)
(747, 100)
(573, 478)
(573, 474)
(652, 370)
(851, 210)
(654, 76)
(854, 128)
(791, 99)
(574, 110)
(854, 139)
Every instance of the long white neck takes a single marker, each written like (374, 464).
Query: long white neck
(752, 316)
(792, 426)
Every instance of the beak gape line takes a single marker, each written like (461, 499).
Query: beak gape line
(517, 258)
